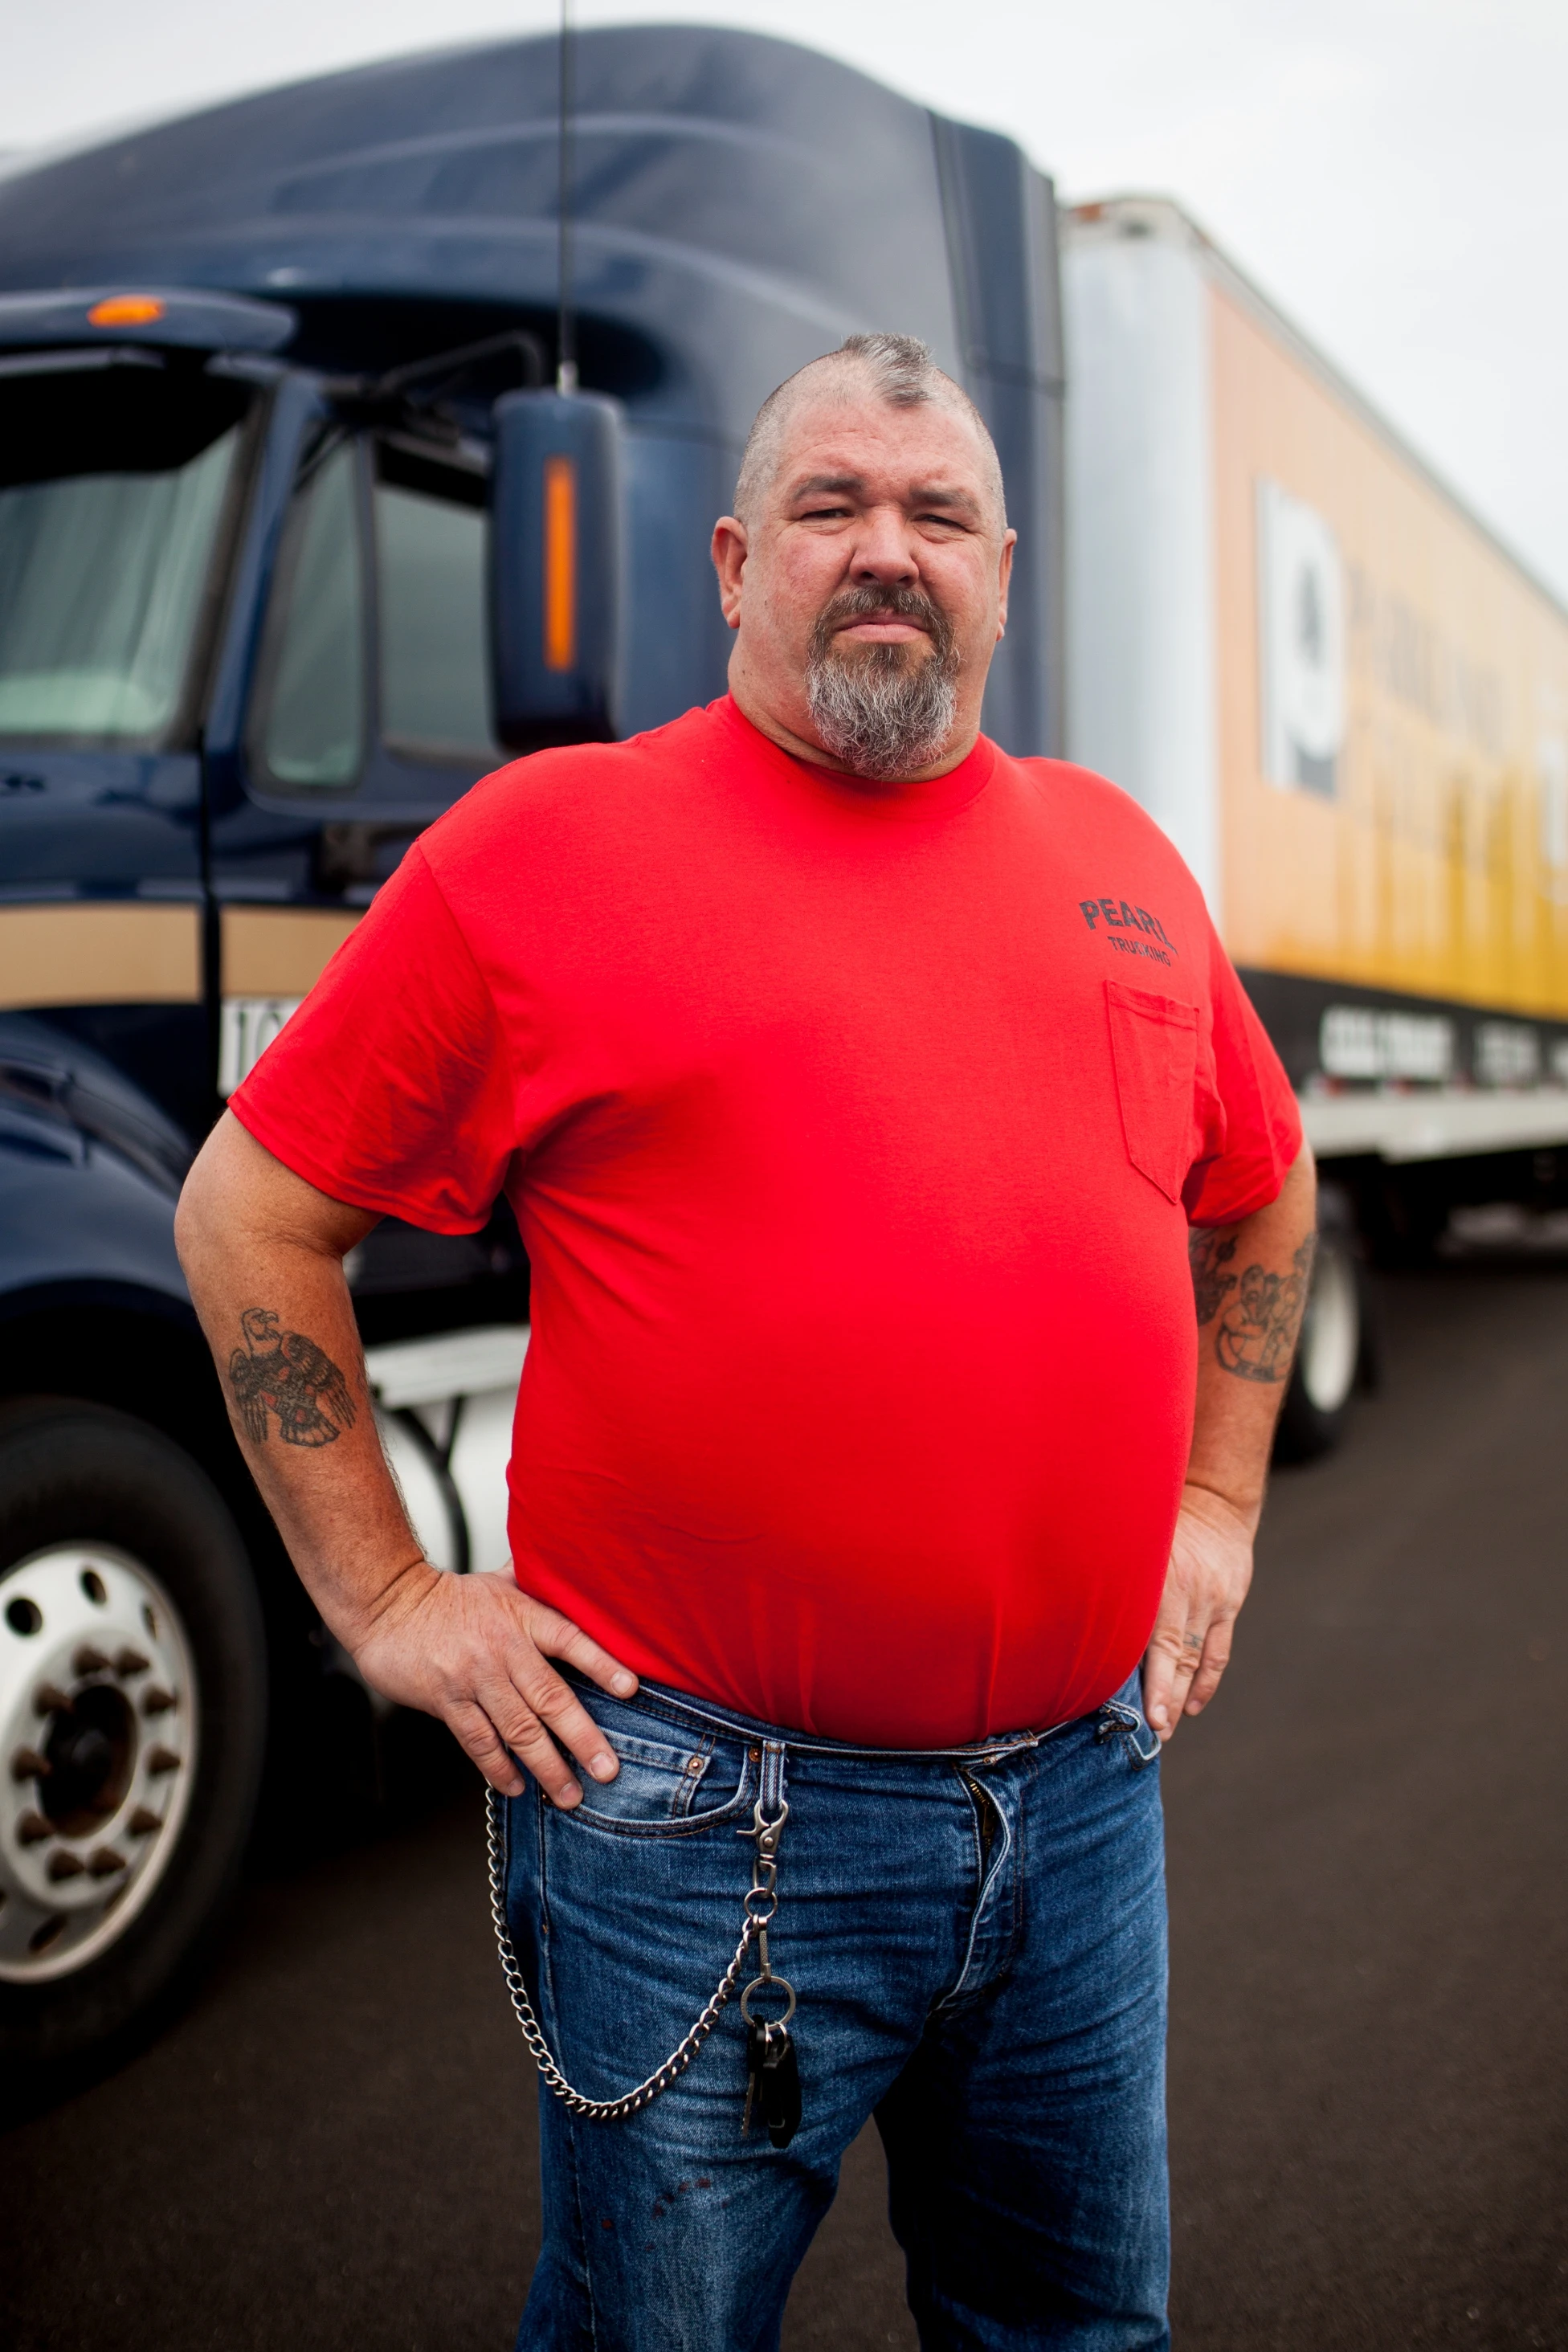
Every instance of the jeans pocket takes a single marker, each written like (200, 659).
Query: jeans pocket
(1121, 1720)
(667, 1787)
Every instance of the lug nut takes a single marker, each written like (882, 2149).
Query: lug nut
(143, 1823)
(162, 1760)
(88, 1660)
(28, 1765)
(104, 1861)
(157, 1702)
(32, 1828)
(131, 1661)
(64, 1866)
(49, 1699)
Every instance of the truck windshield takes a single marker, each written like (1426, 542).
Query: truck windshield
(113, 486)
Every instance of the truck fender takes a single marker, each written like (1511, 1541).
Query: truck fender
(90, 1170)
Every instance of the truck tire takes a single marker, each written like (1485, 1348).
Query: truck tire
(1331, 1360)
(132, 1714)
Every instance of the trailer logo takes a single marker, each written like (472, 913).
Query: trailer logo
(1132, 931)
(1301, 643)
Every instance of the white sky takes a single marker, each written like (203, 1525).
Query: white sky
(1391, 170)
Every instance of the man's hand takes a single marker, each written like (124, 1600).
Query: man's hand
(1205, 1584)
(475, 1651)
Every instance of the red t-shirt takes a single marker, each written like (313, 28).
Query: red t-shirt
(853, 1134)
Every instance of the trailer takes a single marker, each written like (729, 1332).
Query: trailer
(1348, 705)
(336, 464)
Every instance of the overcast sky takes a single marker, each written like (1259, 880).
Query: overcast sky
(1391, 170)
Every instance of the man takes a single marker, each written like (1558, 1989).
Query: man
(854, 1085)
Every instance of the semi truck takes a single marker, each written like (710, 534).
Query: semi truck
(359, 435)
(318, 500)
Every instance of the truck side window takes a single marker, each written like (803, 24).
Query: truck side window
(314, 730)
(431, 532)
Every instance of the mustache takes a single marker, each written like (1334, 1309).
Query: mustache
(868, 604)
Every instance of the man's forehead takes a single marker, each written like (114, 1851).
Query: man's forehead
(837, 442)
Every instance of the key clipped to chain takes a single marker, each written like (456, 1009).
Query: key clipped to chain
(773, 2075)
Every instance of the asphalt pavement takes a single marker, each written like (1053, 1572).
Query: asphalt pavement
(335, 2145)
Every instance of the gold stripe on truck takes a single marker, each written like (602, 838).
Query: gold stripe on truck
(279, 951)
(71, 954)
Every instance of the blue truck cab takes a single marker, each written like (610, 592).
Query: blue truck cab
(281, 387)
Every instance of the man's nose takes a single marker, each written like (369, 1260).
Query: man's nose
(884, 550)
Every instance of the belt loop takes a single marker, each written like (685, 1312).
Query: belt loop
(771, 1793)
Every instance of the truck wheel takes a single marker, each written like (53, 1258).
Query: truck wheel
(132, 1710)
(1334, 1336)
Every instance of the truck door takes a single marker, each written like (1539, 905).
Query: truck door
(122, 476)
(368, 713)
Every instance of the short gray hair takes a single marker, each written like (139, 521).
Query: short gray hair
(902, 373)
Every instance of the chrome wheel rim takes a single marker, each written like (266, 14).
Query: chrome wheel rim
(98, 1725)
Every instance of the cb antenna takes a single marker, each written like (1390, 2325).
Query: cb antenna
(565, 325)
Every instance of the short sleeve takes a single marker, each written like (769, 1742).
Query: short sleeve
(1262, 1125)
(390, 1087)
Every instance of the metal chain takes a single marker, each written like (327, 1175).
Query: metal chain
(607, 2111)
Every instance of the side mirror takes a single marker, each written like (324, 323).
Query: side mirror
(555, 582)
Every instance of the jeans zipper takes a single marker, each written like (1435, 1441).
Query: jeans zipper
(985, 1815)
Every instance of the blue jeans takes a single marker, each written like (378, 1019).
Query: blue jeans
(977, 1939)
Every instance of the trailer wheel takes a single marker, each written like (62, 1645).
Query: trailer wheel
(132, 1709)
(1335, 1339)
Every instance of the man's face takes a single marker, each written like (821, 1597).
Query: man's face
(868, 586)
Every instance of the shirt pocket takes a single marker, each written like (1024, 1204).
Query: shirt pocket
(1155, 1051)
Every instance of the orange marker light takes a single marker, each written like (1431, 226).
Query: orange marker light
(560, 563)
(125, 310)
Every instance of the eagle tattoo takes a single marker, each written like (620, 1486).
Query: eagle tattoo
(286, 1372)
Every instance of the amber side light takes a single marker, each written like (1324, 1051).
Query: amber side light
(560, 563)
(125, 310)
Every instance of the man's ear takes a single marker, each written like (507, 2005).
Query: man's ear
(1004, 579)
(729, 551)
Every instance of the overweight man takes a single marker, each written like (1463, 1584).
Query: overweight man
(919, 1224)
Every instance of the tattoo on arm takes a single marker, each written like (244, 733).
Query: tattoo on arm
(1257, 1335)
(285, 1373)
(1210, 1249)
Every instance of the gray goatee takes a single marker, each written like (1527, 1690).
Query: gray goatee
(885, 711)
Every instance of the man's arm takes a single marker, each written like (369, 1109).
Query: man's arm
(263, 1254)
(1250, 1288)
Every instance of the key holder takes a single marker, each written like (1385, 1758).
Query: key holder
(760, 1903)
(773, 2071)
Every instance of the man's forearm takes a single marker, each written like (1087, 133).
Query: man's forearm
(275, 1305)
(1249, 1291)
(1250, 1288)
